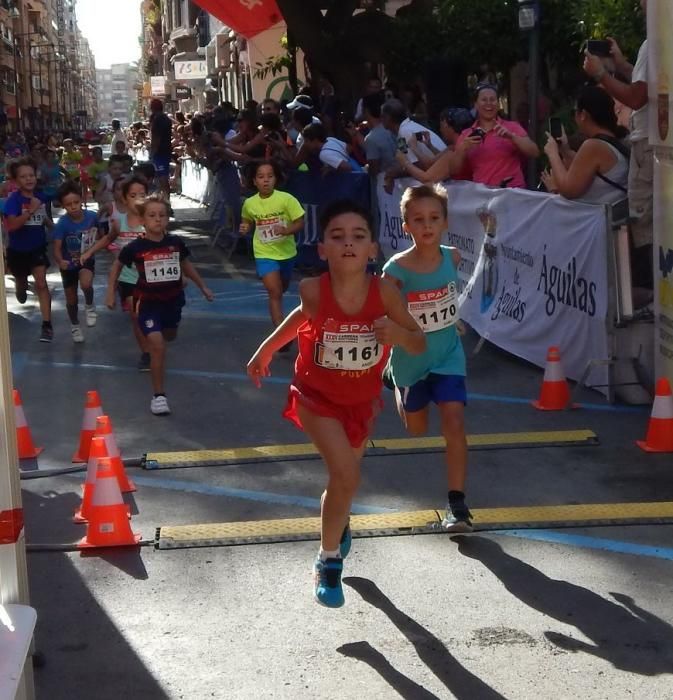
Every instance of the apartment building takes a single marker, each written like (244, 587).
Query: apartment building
(47, 71)
(117, 93)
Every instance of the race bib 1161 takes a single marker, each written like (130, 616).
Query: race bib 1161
(348, 351)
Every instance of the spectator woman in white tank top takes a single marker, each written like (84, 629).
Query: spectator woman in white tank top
(598, 172)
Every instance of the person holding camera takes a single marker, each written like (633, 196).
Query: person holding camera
(598, 172)
(493, 149)
(452, 121)
(641, 170)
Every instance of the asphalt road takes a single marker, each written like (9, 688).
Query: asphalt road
(565, 613)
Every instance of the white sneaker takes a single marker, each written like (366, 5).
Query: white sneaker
(159, 406)
(77, 336)
(91, 316)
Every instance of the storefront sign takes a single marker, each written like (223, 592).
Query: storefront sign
(158, 84)
(191, 70)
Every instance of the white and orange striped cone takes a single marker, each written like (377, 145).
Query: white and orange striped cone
(92, 409)
(660, 429)
(97, 452)
(555, 392)
(109, 524)
(104, 428)
(24, 440)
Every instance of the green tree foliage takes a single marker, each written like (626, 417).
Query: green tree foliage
(341, 40)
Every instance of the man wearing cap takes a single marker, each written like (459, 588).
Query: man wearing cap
(160, 145)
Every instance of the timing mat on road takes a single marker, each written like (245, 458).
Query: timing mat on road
(422, 522)
(375, 448)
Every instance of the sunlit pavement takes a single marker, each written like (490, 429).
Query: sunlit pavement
(559, 613)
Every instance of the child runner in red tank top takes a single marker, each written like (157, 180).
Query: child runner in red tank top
(345, 323)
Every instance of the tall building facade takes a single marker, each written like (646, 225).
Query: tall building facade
(47, 72)
(117, 93)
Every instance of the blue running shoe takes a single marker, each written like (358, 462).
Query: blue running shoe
(327, 575)
(346, 541)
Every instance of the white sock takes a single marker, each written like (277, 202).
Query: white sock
(327, 554)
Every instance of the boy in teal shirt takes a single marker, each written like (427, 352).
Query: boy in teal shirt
(427, 276)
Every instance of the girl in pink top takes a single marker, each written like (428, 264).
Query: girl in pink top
(493, 149)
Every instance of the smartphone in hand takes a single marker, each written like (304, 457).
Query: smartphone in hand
(555, 128)
(599, 47)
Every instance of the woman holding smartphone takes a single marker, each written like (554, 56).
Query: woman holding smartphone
(493, 149)
(598, 172)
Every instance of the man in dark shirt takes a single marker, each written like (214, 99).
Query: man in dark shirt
(160, 147)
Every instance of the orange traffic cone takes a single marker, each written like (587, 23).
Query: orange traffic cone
(555, 393)
(109, 524)
(92, 409)
(98, 451)
(104, 428)
(660, 430)
(24, 440)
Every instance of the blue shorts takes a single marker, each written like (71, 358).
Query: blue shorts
(161, 165)
(266, 265)
(438, 388)
(157, 316)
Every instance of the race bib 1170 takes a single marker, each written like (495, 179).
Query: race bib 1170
(434, 309)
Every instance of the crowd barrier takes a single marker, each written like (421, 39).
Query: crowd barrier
(540, 270)
(196, 181)
(537, 270)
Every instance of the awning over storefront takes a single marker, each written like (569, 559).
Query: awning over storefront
(245, 17)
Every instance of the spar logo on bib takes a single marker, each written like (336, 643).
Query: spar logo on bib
(331, 325)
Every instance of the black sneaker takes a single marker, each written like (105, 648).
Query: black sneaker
(457, 518)
(47, 333)
(21, 295)
(144, 362)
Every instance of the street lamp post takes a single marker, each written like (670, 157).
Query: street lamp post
(529, 21)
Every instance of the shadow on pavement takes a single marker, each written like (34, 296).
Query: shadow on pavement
(625, 635)
(431, 650)
(85, 655)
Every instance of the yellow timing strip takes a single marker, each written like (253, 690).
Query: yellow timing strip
(264, 452)
(417, 522)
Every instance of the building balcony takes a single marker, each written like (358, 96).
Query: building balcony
(184, 39)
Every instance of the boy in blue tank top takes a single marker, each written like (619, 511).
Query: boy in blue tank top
(426, 275)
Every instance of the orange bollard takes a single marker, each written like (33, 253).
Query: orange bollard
(24, 440)
(92, 409)
(104, 429)
(555, 392)
(109, 524)
(98, 451)
(660, 429)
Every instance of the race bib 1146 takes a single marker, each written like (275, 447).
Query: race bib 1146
(162, 267)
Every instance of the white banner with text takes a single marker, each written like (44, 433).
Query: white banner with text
(533, 271)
